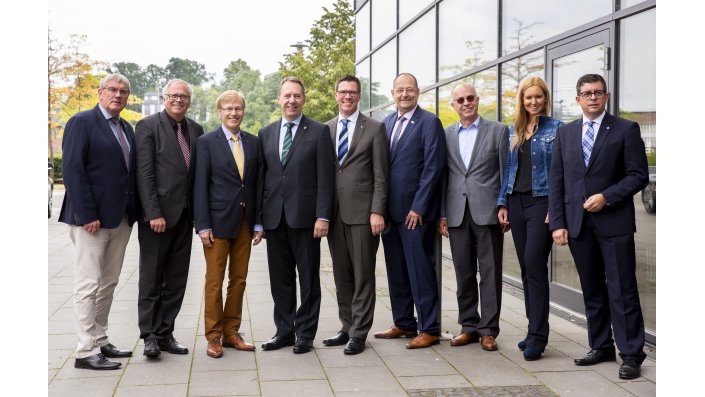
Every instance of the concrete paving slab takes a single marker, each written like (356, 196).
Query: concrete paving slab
(581, 383)
(152, 390)
(83, 387)
(224, 383)
(311, 388)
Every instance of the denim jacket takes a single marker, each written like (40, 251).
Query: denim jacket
(541, 147)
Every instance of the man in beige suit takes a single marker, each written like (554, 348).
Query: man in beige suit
(362, 155)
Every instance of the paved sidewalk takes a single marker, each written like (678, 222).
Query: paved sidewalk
(385, 368)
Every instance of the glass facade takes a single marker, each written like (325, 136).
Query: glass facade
(497, 44)
(362, 31)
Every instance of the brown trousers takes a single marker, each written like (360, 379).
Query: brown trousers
(225, 321)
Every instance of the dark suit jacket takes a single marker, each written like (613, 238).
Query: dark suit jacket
(617, 168)
(219, 192)
(164, 184)
(416, 167)
(98, 183)
(361, 182)
(304, 187)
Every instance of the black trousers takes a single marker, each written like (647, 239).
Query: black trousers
(533, 241)
(164, 264)
(290, 250)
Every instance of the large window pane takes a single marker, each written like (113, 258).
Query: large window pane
(513, 73)
(467, 35)
(417, 49)
(637, 101)
(485, 83)
(524, 23)
(409, 8)
(628, 3)
(383, 73)
(362, 31)
(427, 101)
(363, 73)
(380, 114)
(384, 20)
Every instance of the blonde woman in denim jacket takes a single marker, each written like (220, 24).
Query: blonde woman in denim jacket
(523, 204)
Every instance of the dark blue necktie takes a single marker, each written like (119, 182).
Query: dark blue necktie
(343, 141)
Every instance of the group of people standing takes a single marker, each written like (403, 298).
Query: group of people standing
(354, 180)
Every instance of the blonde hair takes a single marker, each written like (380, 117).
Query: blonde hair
(230, 96)
(521, 116)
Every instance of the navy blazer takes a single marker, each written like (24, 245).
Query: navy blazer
(305, 188)
(617, 168)
(416, 166)
(98, 184)
(219, 194)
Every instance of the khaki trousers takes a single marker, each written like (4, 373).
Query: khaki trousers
(98, 259)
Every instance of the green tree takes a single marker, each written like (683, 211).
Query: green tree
(262, 104)
(156, 77)
(331, 49)
(139, 83)
(238, 75)
(185, 69)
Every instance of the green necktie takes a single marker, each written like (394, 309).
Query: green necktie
(287, 143)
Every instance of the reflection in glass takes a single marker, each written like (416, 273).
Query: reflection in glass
(362, 31)
(524, 23)
(628, 3)
(409, 9)
(513, 73)
(416, 45)
(637, 102)
(427, 101)
(485, 83)
(566, 72)
(380, 114)
(467, 35)
(362, 71)
(384, 20)
(383, 73)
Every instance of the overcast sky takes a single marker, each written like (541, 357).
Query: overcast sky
(212, 32)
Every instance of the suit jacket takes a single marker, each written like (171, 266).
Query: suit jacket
(99, 185)
(361, 182)
(479, 184)
(165, 185)
(416, 167)
(219, 192)
(617, 168)
(303, 188)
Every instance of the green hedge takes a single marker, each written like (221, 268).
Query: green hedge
(57, 167)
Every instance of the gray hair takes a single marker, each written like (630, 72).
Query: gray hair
(466, 85)
(114, 77)
(172, 81)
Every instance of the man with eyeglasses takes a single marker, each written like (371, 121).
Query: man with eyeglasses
(165, 144)
(417, 161)
(477, 148)
(598, 165)
(100, 206)
(297, 205)
(362, 155)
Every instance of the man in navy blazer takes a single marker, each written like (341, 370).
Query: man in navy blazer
(100, 207)
(598, 165)
(297, 205)
(416, 163)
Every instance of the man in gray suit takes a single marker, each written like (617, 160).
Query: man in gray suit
(476, 152)
(362, 155)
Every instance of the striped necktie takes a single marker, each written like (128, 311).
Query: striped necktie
(122, 140)
(184, 145)
(343, 141)
(287, 143)
(588, 141)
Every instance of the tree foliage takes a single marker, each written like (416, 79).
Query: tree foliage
(330, 55)
(185, 69)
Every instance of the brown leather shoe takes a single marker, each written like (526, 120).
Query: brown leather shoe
(488, 343)
(465, 338)
(423, 340)
(395, 332)
(215, 348)
(237, 342)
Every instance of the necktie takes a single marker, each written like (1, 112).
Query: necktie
(287, 143)
(588, 141)
(397, 132)
(343, 141)
(239, 158)
(184, 145)
(123, 141)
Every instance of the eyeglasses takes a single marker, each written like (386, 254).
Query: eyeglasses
(469, 98)
(113, 91)
(175, 97)
(588, 94)
(346, 93)
(231, 109)
(400, 91)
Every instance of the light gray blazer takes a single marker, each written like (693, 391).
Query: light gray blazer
(479, 184)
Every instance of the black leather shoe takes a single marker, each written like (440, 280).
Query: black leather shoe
(340, 338)
(629, 370)
(111, 351)
(303, 345)
(96, 361)
(172, 346)
(277, 342)
(596, 356)
(151, 348)
(355, 346)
